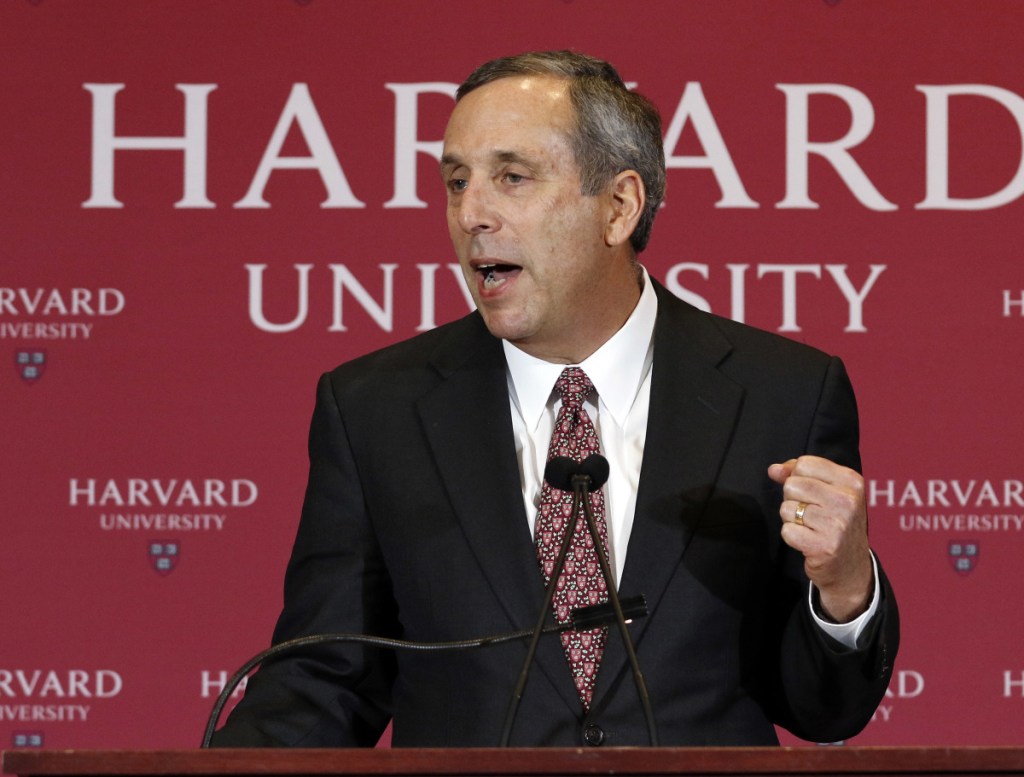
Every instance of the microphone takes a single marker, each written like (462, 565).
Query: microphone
(561, 470)
(581, 478)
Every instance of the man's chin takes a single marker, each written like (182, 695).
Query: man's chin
(504, 326)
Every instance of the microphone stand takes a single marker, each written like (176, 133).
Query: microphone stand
(582, 483)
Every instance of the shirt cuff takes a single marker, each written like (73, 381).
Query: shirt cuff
(847, 634)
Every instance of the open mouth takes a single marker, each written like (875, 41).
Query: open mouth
(495, 275)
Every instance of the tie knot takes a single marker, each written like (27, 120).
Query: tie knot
(573, 386)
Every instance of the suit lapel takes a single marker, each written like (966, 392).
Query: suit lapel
(693, 410)
(467, 421)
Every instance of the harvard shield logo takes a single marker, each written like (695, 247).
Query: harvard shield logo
(963, 555)
(164, 555)
(27, 739)
(31, 364)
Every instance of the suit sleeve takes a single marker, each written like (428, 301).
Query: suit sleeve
(828, 692)
(336, 581)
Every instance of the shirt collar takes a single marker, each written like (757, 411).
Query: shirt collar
(617, 369)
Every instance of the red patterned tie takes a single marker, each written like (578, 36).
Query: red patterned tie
(581, 584)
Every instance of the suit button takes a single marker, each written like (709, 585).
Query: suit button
(593, 735)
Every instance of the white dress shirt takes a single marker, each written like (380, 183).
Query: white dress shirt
(621, 373)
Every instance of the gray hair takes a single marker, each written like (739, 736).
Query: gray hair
(616, 129)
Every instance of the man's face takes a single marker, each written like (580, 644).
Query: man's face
(532, 247)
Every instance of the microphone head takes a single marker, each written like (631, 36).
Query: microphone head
(559, 471)
(597, 467)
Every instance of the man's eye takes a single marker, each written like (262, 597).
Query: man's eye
(458, 184)
(514, 178)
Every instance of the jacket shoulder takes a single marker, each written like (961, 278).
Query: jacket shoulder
(443, 345)
(732, 344)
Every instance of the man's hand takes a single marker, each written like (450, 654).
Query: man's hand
(824, 516)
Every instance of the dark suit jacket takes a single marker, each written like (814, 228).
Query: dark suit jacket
(413, 526)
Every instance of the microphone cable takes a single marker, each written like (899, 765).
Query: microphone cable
(582, 618)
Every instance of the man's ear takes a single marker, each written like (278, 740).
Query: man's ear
(627, 197)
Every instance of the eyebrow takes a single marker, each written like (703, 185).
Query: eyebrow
(452, 160)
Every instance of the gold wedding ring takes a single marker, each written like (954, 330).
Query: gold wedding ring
(800, 513)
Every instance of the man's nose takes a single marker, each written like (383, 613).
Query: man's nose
(476, 210)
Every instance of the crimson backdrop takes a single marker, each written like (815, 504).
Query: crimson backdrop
(847, 173)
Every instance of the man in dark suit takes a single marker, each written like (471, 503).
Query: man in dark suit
(734, 458)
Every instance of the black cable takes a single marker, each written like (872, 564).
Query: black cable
(362, 639)
(582, 618)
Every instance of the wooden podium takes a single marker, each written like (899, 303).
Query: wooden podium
(755, 761)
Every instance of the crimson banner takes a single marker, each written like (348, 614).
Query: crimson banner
(207, 204)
